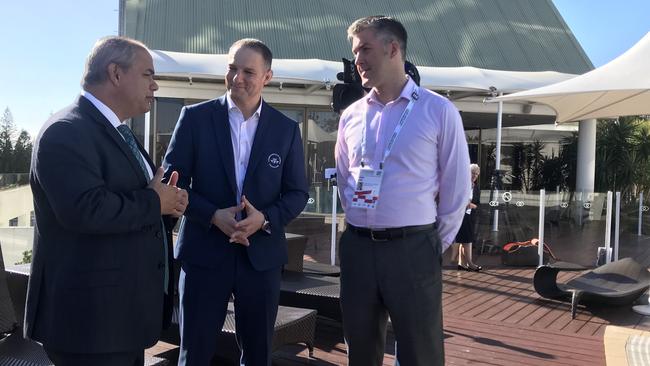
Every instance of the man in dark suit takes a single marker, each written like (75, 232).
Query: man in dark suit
(242, 163)
(100, 265)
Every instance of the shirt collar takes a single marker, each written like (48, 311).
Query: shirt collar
(103, 108)
(232, 105)
(407, 92)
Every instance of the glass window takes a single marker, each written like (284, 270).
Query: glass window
(321, 138)
(167, 112)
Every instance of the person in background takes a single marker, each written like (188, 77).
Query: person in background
(466, 233)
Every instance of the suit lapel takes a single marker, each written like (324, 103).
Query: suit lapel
(99, 118)
(222, 134)
(258, 141)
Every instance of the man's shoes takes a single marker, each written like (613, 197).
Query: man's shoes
(463, 268)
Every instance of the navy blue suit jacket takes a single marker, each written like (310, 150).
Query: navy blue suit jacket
(275, 182)
(96, 282)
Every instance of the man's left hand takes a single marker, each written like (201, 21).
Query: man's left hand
(250, 225)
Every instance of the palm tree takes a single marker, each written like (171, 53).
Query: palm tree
(615, 155)
(642, 157)
(569, 158)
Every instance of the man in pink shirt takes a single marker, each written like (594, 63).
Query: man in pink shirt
(402, 167)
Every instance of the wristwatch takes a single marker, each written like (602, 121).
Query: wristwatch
(266, 226)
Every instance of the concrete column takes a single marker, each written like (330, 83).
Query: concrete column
(586, 167)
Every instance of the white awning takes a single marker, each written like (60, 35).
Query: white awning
(315, 72)
(619, 88)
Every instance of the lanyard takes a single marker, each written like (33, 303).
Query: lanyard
(402, 121)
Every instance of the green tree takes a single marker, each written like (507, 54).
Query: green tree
(7, 130)
(641, 141)
(517, 163)
(535, 163)
(615, 152)
(551, 173)
(22, 153)
(569, 158)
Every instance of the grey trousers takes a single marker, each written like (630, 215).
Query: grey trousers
(400, 278)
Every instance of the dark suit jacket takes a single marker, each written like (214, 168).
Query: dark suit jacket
(96, 282)
(275, 182)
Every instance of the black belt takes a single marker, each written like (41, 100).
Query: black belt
(391, 233)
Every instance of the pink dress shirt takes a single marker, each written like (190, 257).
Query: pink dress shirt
(429, 159)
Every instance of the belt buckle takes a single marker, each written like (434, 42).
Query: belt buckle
(372, 235)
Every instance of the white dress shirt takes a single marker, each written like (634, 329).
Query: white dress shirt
(242, 134)
(112, 118)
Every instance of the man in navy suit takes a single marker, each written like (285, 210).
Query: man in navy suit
(100, 267)
(242, 163)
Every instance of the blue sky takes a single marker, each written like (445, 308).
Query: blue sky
(44, 43)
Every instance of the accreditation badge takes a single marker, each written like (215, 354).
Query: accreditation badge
(366, 192)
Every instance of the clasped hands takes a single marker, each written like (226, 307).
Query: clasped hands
(238, 231)
(173, 200)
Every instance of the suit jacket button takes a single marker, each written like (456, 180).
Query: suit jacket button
(158, 234)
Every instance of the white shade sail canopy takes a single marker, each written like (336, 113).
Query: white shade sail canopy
(315, 72)
(316, 134)
(618, 88)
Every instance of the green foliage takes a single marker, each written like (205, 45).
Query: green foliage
(22, 153)
(27, 257)
(569, 158)
(623, 156)
(615, 155)
(622, 160)
(7, 131)
(15, 155)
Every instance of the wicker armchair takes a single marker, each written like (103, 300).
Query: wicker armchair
(14, 349)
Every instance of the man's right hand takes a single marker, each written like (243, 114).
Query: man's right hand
(224, 219)
(173, 200)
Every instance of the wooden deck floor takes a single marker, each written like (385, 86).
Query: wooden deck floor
(493, 318)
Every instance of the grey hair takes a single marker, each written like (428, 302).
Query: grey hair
(474, 168)
(109, 50)
(389, 28)
(257, 46)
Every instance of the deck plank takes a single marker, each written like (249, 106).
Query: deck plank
(493, 317)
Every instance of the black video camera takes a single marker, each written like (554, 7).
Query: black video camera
(351, 90)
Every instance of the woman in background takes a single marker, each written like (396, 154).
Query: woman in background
(465, 235)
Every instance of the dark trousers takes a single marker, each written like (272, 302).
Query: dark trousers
(96, 359)
(204, 295)
(400, 278)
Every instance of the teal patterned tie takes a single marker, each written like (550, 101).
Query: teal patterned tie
(126, 132)
(130, 140)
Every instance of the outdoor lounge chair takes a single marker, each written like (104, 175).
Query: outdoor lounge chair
(616, 283)
(292, 326)
(14, 349)
(323, 269)
(311, 292)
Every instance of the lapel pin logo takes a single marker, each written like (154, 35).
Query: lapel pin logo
(274, 160)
